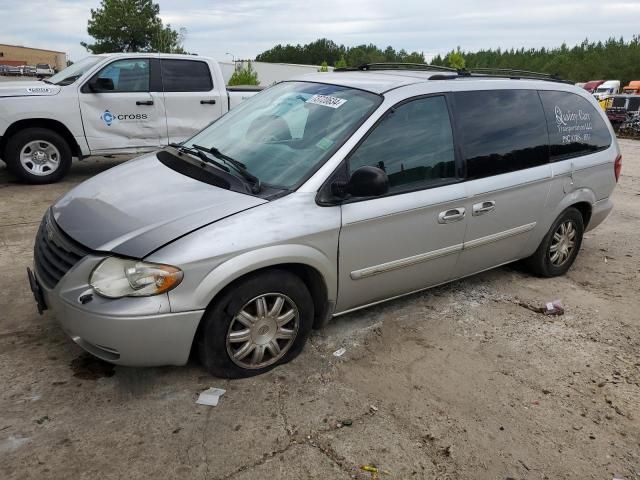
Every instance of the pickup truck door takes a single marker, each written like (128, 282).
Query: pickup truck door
(191, 98)
(122, 107)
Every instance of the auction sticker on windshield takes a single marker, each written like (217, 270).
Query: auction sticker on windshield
(327, 101)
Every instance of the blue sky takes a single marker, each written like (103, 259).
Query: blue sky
(246, 27)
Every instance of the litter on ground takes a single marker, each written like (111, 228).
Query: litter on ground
(210, 396)
(553, 308)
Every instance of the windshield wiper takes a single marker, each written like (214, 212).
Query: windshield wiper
(238, 166)
(47, 81)
(200, 154)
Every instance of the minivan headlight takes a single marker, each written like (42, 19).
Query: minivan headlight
(120, 277)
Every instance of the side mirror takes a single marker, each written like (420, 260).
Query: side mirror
(364, 182)
(101, 84)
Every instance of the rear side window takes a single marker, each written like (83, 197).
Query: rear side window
(501, 131)
(186, 76)
(575, 126)
(413, 144)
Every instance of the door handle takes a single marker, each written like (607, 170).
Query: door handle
(483, 207)
(207, 102)
(451, 215)
(144, 102)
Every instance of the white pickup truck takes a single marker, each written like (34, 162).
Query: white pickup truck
(106, 105)
(44, 70)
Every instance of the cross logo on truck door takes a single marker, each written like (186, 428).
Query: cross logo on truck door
(107, 117)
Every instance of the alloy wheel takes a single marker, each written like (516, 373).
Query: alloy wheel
(563, 243)
(262, 331)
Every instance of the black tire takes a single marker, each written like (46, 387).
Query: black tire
(541, 262)
(19, 140)
(213, 350)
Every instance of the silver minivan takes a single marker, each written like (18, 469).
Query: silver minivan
(317, 197)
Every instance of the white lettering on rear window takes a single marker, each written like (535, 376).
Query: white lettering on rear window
(573, 126)
(327, 101)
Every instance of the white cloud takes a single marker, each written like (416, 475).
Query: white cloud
(246, 27)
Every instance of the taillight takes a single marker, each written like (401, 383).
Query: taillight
(617, 167)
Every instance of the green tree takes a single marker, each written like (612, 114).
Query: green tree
(342, 63)
(455, 59)
(323, 67)
(414, 57)
(615, 59)
(326, 50)
(131, 26)
(390, 54)
(244, 76)
(437, 61)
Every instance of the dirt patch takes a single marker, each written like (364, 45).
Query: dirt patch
(468, 381)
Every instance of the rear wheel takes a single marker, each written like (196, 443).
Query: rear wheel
(559, 248)
(259, 323)
(38, 155)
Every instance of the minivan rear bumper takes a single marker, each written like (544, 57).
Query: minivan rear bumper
(600, 210)
(136, 340)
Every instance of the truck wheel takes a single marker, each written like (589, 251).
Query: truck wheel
(38, 155)
(559, 248)
(260, 322)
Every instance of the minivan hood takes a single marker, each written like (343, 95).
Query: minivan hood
(137, 207)
(27, 89)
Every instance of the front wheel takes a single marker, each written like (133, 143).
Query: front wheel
(260, 322)
(559, 248)
(38, 155)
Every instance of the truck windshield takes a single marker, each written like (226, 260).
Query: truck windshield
(74, 71)
(285, 132)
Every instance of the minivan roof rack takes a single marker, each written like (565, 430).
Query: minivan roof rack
(515, 73)
(448, 73)
(395, 66)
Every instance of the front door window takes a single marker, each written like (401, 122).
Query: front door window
(413, 144)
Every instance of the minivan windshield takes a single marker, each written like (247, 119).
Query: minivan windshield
(74, 71)
(285, 132)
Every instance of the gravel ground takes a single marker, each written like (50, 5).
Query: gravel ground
(460, 382)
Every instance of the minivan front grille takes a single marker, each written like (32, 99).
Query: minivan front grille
(55, 252)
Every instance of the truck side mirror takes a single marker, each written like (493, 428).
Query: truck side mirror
(366, 181)
(101, 84)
